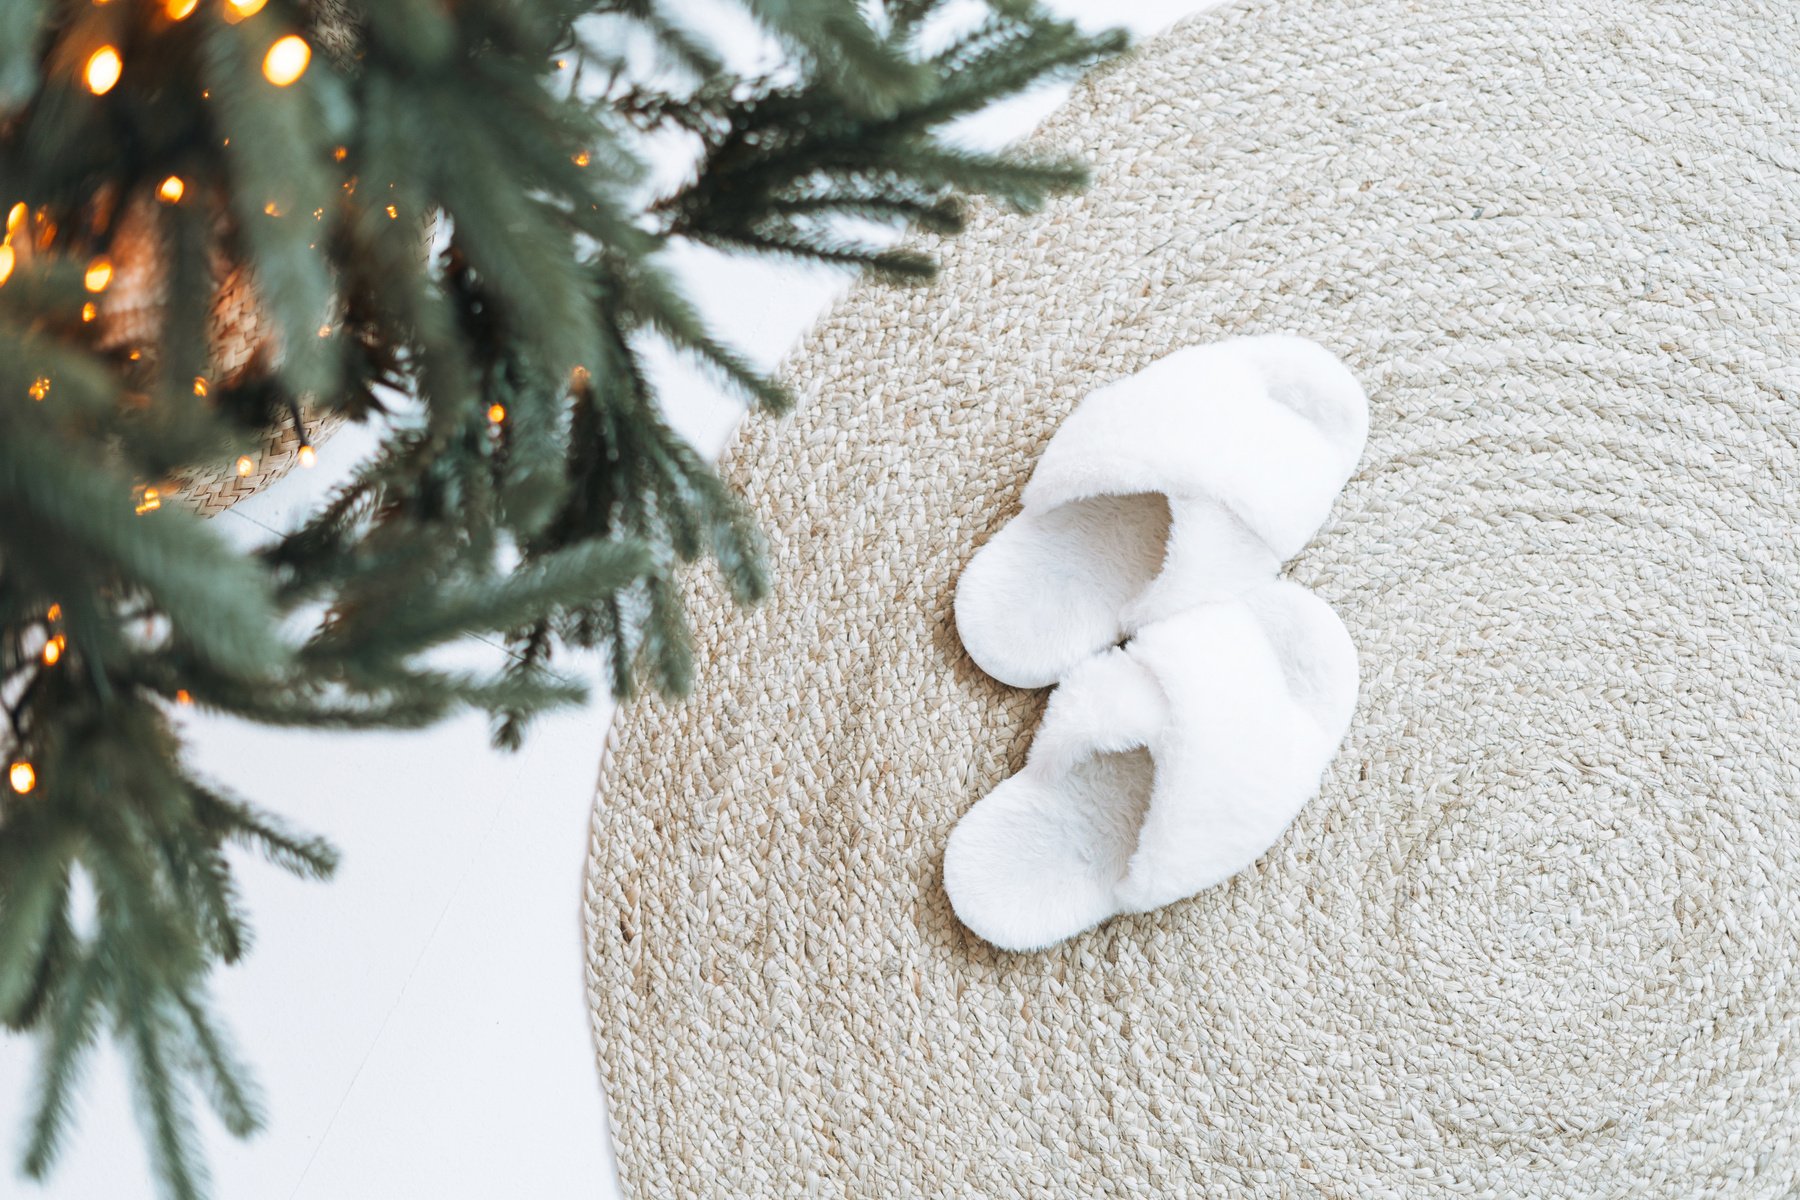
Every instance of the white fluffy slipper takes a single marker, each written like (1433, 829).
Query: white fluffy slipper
(1162, 767)
(1187, 482)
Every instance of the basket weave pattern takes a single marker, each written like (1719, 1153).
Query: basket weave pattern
(241, 342)
(1536, 935)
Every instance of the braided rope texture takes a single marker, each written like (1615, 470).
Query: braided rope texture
(1539, 935)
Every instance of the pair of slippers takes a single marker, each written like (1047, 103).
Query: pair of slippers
(1199, 697)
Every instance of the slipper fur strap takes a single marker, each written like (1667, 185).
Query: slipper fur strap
(1199, 424)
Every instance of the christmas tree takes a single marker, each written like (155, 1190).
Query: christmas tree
(231, 224)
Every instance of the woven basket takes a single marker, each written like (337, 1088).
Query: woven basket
(242, 343)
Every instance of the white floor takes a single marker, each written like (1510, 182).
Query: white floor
(419, 1025)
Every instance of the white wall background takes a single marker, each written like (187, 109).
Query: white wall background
(419, 1025)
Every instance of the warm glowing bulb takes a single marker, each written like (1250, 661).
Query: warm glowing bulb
(22, 775)
(392, 212)
(183, 697)
(149, 502)
(308, 456)
(341, 153)
(496, 413)
(54, 613)
(171, 190)
(245, 465)
(103, 69)
(15, 218)
(53, 650)
(272, 209)
(583, 159)
(99, 273)
(199, 385)
(237, 10)
(7, 258)
(40, 387)
(286, 60)
(178, 10)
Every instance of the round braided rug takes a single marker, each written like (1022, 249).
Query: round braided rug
(1539, 935)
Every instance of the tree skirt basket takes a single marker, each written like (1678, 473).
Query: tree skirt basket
(1539, 935)
(241, 344)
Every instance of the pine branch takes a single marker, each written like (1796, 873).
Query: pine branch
(217, 601)
(218, 1068)
(20, 21)
(858, 67)
(648, 296)
(73, 1024)
(548, 582)
(778, 177)
(31, 901)
(162, 1101)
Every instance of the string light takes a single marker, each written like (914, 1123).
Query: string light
(308, 456)
(22, 775)
(272, 209)
(182, 696)
(89, 311)
(172, 190)
(149, 501)
(245, 465)
(180, 10)
(286, 60)
(392, 212)
(496, 413)
(104, 66)
(40, 387)
(583, 159)
(237, 10)
(53, 650)
(341, 153)
(15, 221)
(54, 613)
(199, 385)
(99, 273)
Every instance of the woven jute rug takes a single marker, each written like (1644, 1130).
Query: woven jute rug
(1539, 935)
